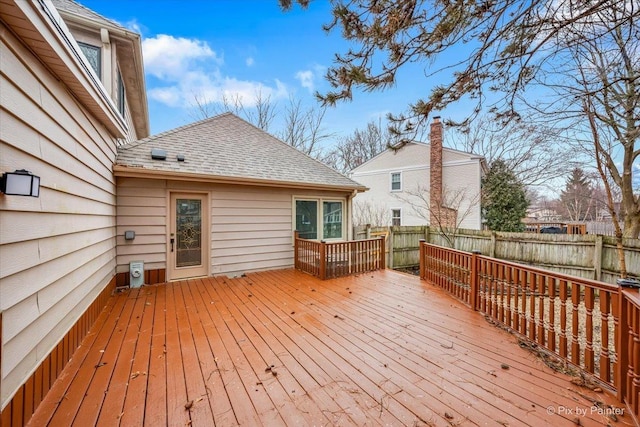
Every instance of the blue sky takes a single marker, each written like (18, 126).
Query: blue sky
(213, 47)
(210, 48)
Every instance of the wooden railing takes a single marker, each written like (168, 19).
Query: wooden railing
(583, 325)
(328, 260)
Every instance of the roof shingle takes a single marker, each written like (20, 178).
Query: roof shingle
(227, 146)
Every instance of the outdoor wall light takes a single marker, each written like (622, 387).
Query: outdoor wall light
(20, 183)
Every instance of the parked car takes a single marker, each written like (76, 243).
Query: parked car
(553, 230)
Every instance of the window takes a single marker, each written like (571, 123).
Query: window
(396, 181)
(332, 220)
(307, 219)
(121, 98)
(308, 214)
(396, 217)
(92, 53)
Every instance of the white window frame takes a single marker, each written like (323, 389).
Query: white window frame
(392, 217)
(391, 174)
(319, 215)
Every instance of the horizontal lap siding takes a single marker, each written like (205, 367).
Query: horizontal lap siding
(251, 227)
(57, 250)
(142, 208)
(251, 230)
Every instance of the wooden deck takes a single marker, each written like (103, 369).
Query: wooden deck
(285, 348)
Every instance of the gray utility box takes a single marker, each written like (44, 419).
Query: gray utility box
(136, 274)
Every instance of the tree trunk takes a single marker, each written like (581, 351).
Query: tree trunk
(632, 225)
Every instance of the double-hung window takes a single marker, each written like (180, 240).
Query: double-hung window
(396, 217)
(319, 219)
(396, 181)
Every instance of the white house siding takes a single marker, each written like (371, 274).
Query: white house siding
(57, 252)
(251, 227)
(412, 160)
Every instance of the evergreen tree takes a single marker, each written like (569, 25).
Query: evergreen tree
(577, 197)
(504, 202)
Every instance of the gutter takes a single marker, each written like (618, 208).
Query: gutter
(138, 172)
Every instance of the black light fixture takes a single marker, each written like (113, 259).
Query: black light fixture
(20, 183)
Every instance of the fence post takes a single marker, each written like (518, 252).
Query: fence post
(475, 278)
(391, 239)
(383, 252)
(422, 260)
(296, 264)
(597, 259)
(367, 231)
(492, 250)
(323, 260)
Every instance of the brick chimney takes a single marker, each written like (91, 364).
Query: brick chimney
(435, 167)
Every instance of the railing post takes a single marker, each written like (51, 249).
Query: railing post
(323, 260)
(296, 263)
(622, 344)
(422, 260)
(475, 279)
(383, 253)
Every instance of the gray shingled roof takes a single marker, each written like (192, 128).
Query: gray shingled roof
(74, 8)
(227, 146)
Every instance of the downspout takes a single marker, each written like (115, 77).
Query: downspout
(350, 215)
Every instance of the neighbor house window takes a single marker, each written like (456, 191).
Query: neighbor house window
(92, 53)
(396, 181)
(319, 219)
(396, 217)
(121, 98)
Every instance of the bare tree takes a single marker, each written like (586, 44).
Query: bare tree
(531, 150)
(362, 145)
(369, 212)
(261, 113)
(594, 87)
(456, 205)
(303, 128)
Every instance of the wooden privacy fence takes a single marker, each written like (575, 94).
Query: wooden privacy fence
(585, 324)
(588, 256)
(328, 260)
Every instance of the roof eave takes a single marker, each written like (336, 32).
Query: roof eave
(139, 172)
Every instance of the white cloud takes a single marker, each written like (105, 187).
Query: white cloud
(250, 61)
(169, 57)
(306, 78)
(189, 68)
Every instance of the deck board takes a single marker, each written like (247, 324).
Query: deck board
(380, 348)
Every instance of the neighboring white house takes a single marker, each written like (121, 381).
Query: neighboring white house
(415, 183)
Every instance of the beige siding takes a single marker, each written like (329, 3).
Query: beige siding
(251, 227)
(409, 155)
(57, 251)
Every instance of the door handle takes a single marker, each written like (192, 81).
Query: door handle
(172, 240)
